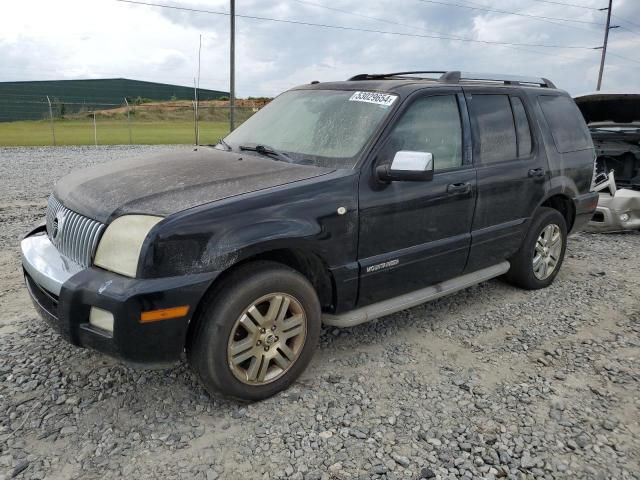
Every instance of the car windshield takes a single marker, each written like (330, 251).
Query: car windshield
(326, 128)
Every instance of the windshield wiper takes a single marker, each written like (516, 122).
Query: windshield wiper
(266, 150)
(610, 130)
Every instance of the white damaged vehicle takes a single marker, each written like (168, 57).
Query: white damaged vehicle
(614, 123)
(617, 210)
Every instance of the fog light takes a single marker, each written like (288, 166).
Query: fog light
(101, 319)
(624, 217)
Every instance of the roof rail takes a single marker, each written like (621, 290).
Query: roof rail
(382, 76)
(455, 76)
(499, 77)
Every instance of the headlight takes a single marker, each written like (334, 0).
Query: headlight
(119, 248)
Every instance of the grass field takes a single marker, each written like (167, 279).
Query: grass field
(109, 132)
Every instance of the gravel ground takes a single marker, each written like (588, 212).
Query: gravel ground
(491, 382)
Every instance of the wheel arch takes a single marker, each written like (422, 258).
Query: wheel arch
(308, 264)
(563, 204)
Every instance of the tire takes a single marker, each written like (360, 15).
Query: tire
(266, 312)
(545, 224)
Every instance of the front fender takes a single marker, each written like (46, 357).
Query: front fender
(238, 244)
(302, 216)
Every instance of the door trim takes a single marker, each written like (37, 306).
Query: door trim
(415, 253)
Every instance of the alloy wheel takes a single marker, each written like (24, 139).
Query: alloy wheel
(267, 339)
(548, 249)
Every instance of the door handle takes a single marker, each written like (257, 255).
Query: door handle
(536, 172)
(458, 188)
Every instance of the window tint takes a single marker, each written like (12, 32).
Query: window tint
(431, 124)
(565, 121)
(495, 126)
(522, 127)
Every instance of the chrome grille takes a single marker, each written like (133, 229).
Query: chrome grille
(74, 235)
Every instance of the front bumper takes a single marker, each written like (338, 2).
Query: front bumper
(64, 293)
(613, 210)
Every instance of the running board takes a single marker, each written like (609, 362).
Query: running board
(409, 300)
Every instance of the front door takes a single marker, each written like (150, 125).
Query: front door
(417, 233)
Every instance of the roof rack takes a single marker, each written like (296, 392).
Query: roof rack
(455, 76)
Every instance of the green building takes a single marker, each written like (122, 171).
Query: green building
(28, 100)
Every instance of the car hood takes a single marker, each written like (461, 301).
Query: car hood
(169, 183)
(620, 108)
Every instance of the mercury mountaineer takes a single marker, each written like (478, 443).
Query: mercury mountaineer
(337, 203)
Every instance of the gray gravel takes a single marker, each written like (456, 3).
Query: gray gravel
(491, 382)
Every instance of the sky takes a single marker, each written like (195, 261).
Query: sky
(71, 39)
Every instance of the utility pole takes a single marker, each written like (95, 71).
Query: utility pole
(232, 67)
(606, 40)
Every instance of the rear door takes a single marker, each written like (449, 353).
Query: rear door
(414, 234)
(512, 170)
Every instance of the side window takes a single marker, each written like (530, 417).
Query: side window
(496, 128)
(565, 121)
(430, 124)
(522, 127)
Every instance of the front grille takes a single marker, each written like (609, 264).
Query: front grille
(74, 235)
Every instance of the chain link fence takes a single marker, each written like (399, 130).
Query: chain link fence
(134, 121)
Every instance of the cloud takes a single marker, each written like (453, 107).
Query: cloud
(103, 38)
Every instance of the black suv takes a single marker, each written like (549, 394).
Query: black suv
(338, 203)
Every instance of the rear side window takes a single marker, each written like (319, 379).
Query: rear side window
(496, 128)
(565, 121)
(522, 127)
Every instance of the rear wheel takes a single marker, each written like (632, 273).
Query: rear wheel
(540, 257)
(256, 333)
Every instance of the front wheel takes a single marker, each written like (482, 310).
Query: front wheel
(256, 333)
(540, 257)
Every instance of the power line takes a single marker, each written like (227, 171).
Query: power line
(369, 17)
(576, 6)
(566, 4)
(304, 2)
(596, 9)
(626, 21)
(342, 27)
(564, 25)
(508, 12)
(384, 20)
(627, 29)
(377, 19)
(623, 58)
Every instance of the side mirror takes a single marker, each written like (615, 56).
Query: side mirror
(407, 166)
